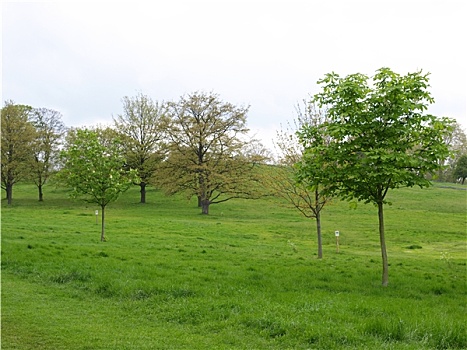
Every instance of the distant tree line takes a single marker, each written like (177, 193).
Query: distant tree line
(198, 145)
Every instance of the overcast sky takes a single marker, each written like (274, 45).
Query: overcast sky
(81, 58)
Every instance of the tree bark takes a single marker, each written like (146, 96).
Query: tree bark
(205, 206)
(318, 229)
(9, 193)
(102, 223)
(318, 224)
(142, 185)
(384, 255)
(41, 194)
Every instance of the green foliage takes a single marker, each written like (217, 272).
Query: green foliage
(379, 139)
(173, 279)
(94, 170)
(49, 132)
(17, 135)
(209, 157)
(457, 143)
(142, 128)
(460, 171)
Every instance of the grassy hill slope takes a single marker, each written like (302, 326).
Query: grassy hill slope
(244, 277)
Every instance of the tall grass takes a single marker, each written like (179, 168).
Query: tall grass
(244, 277)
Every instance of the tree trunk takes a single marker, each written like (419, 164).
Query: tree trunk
(41, 194)
(385, 278)
(103, 223)
(199, 201)
(142, 185)
(9, 193)
(318, 229)
(318, 224)
(205, 206)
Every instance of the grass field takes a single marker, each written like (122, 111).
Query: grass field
(244, 277)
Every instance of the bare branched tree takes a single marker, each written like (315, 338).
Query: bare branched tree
(282, 178)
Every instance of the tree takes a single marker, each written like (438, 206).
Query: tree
(460, 171)
(95, 171)
(17, 137)
(457, 143)
(208, 157)
(381, 139)
(142, 125)
(49, 132)
(306, 196)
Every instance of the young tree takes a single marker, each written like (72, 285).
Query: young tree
(381, 139)
(307, 197)
(208, 157)
(49, 132)
(95, 171)
(17, 135)
(142, 125)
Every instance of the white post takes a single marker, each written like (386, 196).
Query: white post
(337, 240)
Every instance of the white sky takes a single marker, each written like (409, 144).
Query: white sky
(81, 58)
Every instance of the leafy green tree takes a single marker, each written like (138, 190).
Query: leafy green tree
(95, 171)
(307, 196)
(17, 135)
(460, 171)
(49, 133)
(209, 157)
(142, 124)
(380, 139)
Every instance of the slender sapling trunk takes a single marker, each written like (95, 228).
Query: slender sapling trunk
(318, 224)
(103, 223)
(384, 255)
(318, 229)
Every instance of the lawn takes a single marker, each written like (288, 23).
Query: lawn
(245, 277)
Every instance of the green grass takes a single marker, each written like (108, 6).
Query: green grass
(244, 277)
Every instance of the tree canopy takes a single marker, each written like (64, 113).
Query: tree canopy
(18, 135)
(380, 138)
(49, 132)
(209, 155)
(457, 143)
(142, 126)
(460, 171)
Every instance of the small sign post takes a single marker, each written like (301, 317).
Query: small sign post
(336, 233)
(97, 213)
